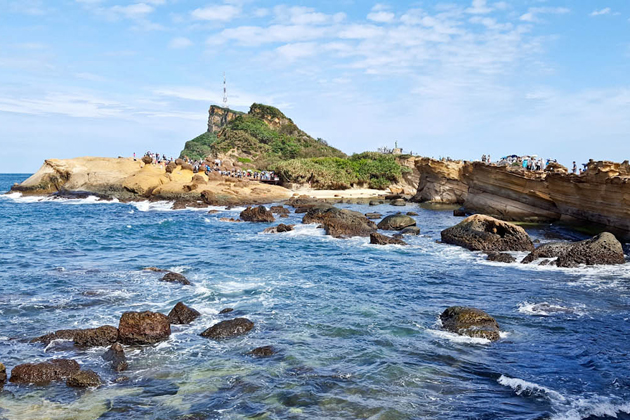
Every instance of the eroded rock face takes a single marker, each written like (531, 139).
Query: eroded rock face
(84, 379)
(500, 257)
(471, 322)
(96, 337)
(257, 214)
(485, 233)
(280, 211)
(228, 329)
(396, 222)
(264, 351)
(340, 223)
(182, 314)
(172, 277)
(378, 239)
(44, 373)
(147, 160)
(143, 328)
(116, 355)
(603, 249)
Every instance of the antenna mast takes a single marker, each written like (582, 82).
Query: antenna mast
(225, 97)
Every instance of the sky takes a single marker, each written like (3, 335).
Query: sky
(457, 79)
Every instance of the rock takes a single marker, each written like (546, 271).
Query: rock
(257, 214)
(603, 249)
(411, 230)
(500, 257)
(116, 355)
(213, 212)
(171, 167)
(393, 197)
(154, 269)
(471, 322)
(228, 329)
(544, 262)
(265, 351)
(96, 337)
(147, 160)
(84, 379)
(182, 314)
(225, 311)
(412, 213)
(57, 335)
(172, 277)
(44, 373)
(3, 374)
(187, 167)
(230, 220)
(396, 222)
(378, 239)
(279, 229)
(179, 162)
(375, 203)
(485, 233)
(340, 223)
(459, 213)
(373, 216)
(399, 202)
(143, 328)
(279, 210)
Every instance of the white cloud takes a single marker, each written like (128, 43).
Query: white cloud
(261, 12)
(217, 13)
(382, 17)
(299, 15)
(604, 11)
(479, 7)
(533, 12)
(291, 52)
(256, 35)
(132, 11)
(180, 43)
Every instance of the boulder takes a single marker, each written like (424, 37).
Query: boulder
(57, 335)
(340, 223)
(147, 160)
(171, 167)
(155, 269)
(373, 216)
(226, 310)
(412, 213)
(459, 213)
(96, 337)
(378, 239)
(603, 249)
(44, 373)
(179, 162)
(84, 379)
(485, 233)
(279, 229)
(182, 314)
(279, 210)
(257, 214)
(143, 328)
(228, 329)
(501, 257)
(264, 351)
(172, 277)
(396, 222)
(471, 322)
(398, 202)
(411, 230)
(375, 203)
(187, 167)
(213, 212)
(116, 355)
(3, 374)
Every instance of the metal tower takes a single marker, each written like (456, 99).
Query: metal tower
(225, 97)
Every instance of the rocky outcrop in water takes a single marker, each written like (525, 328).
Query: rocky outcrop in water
(471, 322)
(57, 335)
(172, 277)
(228, 329)
(281, 228)
(281, 211)
(340, 223)
(143, 328)
(257, 214)
(84, 379)
(265, 351)
(45, 372)
(603, 249)
(501, 257)
(378, 239)
(96, 337)
(182, 314)
(3, 374)
(396, 222)
(485, 233)
(116, 355)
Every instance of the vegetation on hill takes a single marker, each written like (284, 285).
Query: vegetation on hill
(199, 147)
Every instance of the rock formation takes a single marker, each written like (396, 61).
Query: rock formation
(172, 277)
(471, 322)
(603, 249)
(340, 223)
(116, 355)
(228, 329)
(84, 379)
(96, 337)
(257, 214)
(45, 372)
(378, 239)
(396, 222)
(143, 328)
(485, 233)
(182, 314)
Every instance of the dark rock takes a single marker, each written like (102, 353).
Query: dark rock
(172, 277)
(116, 355)
(536, 241)
(182, 314)
(147, 160)
(393, 197)
(459, 213)
(171, 167)
(471, 322)
(143, 328)
(57, 335)
(265, 351)
(373, 216)
(411, 230)
(279, 229)
(544, 262)
(399, 202)
(340, 223)
(375, 203)
(84, 379)
(257, 214)
(187, 167)
(485, 233)
(213, 212)
(279, 210)
(226, 310)
(3, 374)
(179, 161)
(44, 373)
(154, 269)
(228, 329)
(412, 213)
(396, 222)
(501, 257)
(603, 249)
(378, 239)
(96, 337)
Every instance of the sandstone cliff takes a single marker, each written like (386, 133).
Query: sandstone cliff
(601, 195)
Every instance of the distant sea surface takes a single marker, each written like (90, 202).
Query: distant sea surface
(355, 325)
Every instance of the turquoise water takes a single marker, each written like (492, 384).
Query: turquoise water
(355, 325)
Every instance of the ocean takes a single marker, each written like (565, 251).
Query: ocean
(355, 325)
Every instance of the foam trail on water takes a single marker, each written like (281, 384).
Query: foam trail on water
(522, 387)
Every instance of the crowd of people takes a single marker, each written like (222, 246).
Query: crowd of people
(530, 163)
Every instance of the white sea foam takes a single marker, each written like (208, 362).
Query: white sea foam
(548, 309)
(522, 387)
(456, 338)
(18, 197)
(145, 206)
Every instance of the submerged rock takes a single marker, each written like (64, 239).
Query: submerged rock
(459, 213)
(501, 257)
(398, 202)
(228, 329)
(280, 211)
(143, 328)
(154, 269)
(396, 222)
(264, 351)
(225, 311)
(279, 229)
(182, 314)
(257, 214)
(411, 230)
(96, 337)
(373, 216)
(84, 379)
(471, 322)
(340, 223)
(116, 355)
(3, 374)
(603, 249)
(44, 373)
(172, 277)
(378, 239)
(485, 233)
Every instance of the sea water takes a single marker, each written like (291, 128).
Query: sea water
(355, 325)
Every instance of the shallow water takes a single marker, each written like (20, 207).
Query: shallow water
(355, 324)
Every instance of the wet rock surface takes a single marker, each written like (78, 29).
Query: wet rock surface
(501, 257)
(116, 355)
(396, 222)
(373, 216)
(96, 337)
(228, 329)
(57, 335)
(225, 311)
(264, 351)
(182, 314)
(44, 373)
(340, 223)
(485, 233)
(84, 379)
(471, 322)
(143, 328)
(281, 228)
(257, 214)
(3, 374)
(172, 277)
(379, 239)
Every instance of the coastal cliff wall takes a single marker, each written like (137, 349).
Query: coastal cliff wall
(219, 117)
(601, 195)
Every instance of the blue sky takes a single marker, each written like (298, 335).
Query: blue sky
(459, 78)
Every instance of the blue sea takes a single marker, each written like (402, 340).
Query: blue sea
(355, 325)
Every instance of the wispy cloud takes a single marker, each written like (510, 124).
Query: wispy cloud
(533, 13)
(180, 43)
(216, 13)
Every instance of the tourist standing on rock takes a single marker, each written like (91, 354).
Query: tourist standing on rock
(574, 167)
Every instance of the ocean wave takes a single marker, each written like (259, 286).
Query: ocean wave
(456, 338)
(522, 387)
(18, 197)
(547, 309)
